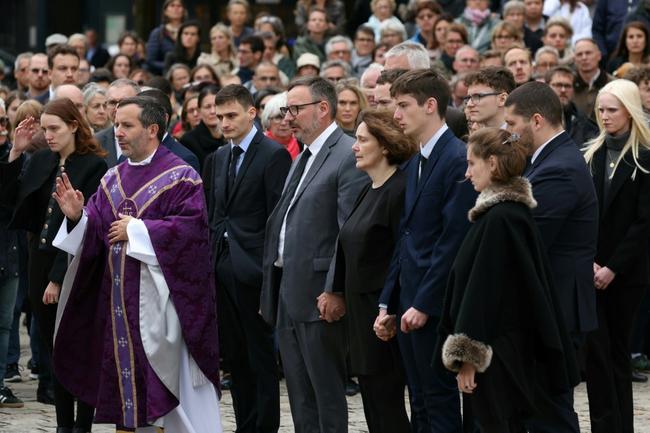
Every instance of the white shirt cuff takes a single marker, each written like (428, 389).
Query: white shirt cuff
(139, 246)
(71, 242)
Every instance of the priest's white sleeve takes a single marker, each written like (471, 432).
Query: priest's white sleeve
(139, 246)
(71, 242)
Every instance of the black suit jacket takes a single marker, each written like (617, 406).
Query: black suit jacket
(567, 216)
(21, 190)
(100, 57)
(181, 151)
(624, 226)
(243, 212)
(201, 143)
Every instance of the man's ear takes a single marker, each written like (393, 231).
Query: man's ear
(431, 105)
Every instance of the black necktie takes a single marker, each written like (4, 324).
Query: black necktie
(423, 163)
(235, 152)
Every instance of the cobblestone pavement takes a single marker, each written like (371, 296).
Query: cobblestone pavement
(37, 417)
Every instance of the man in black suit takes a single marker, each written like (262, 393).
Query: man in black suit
(118, 90)
(247, 177)
(567, 216)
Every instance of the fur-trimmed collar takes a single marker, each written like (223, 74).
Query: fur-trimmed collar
(517, 189)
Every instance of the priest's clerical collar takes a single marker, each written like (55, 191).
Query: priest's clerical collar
(145, 161)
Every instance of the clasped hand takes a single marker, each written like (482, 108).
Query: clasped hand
(385, 325)
(603, 276)
(331, 306)
(117, 232)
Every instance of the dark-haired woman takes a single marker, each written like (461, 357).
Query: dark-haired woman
(633, 46)
(187, 48)
(206, 137)
(502, 329)
(73, 150)
(364, 250)
(162, 39)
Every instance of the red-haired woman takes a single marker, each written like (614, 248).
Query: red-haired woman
(28, 188)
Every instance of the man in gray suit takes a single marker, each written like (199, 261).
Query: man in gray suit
(300, 238)
(118, 90)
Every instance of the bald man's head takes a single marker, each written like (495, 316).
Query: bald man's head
(71, 92)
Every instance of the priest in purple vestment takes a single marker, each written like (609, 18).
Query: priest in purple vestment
(136, 331)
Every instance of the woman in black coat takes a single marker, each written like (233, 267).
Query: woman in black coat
(619, 159)
(364, 250)
(501, 327)
(27, 187)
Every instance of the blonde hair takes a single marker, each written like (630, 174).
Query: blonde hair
(628, 95)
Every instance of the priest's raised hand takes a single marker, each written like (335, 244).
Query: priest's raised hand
(70, 200)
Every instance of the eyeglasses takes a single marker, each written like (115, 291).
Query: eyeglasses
(295, 109)
(4, 121)
(476, 97)
(561, 86)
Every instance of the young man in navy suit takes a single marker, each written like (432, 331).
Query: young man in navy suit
(567, 217)
(433, 226)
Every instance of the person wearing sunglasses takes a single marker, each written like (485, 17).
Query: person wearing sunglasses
(39, 80)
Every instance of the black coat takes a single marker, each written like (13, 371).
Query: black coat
(624, 227)
(579, 127)
(201, 142)
(363, 253)
(243, 212)
(500, 313)
(24, 191)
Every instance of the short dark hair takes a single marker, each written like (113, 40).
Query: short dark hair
(320, 89)
(263, 93)
(160, 83)
(423, 84)
(60, 50)
(255, 42)
(563, 70)
(152, 113)
(162, 99)
(234, 92)
(364, 28)
(497, 77)
(207, 90)
(390, 75)
(536, 98)
(384, 128)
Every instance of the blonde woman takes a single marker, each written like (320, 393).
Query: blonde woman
(619, 158)
(351, 101)
(223, 55)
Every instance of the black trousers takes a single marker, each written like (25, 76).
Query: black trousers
(40, 263)
(249, 351)
(383, 402)
(609, 385)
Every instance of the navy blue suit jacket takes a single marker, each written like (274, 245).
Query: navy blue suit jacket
(567, 216)
(182, 152)
(433, 225)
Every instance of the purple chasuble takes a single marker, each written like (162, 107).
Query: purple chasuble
(98, 353)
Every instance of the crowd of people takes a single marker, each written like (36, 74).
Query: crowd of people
(453, 204)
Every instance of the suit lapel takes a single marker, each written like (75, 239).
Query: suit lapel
(548, 149)
(598, 173)
(428, 169)
(318, 162)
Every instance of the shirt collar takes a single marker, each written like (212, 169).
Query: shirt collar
(594, 78)
(246, 141)
(145, 161)
(316, 146)
(428, 147)
(540, 148)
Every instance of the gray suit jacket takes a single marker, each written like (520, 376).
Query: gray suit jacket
(106, 138)
(323, 202)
